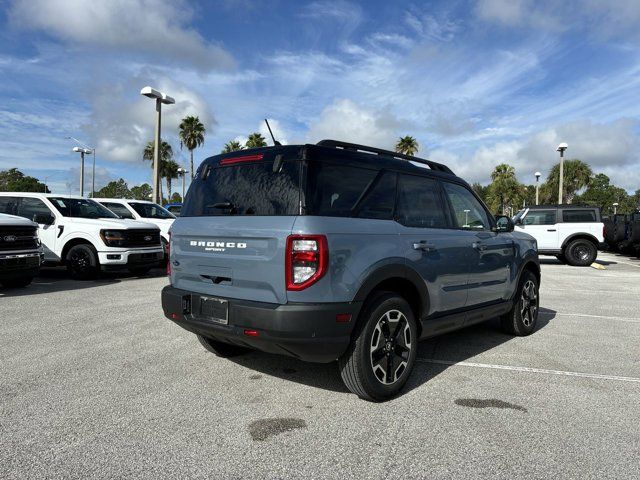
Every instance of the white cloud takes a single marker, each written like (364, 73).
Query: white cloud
(149, 27)
(122, 125)
(276, 128)
(347, 121)
(506, 12)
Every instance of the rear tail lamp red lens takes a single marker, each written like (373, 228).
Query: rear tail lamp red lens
(307, 257)
(168, 254)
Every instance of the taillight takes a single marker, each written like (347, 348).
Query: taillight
(604, 231)
(168, 253)
(244, 159)
(307, 258)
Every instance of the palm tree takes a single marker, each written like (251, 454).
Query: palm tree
(166, 154)
(169, 171)
(576, 174)
(256, 140)
(407, 145)
(505, 191)
(191, 136)
(232, 146)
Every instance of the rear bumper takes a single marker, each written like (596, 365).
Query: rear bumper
(19, 265)
(309, 332)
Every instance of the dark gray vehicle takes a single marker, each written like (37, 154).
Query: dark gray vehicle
(343, 252)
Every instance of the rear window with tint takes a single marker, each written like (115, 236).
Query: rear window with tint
(246, 189)
(577, 216)
(341, 191)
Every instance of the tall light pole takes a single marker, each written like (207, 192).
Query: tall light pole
(615, 208)
(537, 174)
(93, 170)
(183, 172)
(82, 152)
(561, 148)
(160, 99)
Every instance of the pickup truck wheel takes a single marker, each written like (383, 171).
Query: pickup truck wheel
(82, 262)
(17, 282)
(383, 350)
(581, 253)
(221, 349)
(522, 318)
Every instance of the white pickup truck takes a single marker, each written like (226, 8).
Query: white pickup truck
(84, 235)
(572, 233)
(20, 251)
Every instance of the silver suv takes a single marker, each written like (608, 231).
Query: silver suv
(343, 252)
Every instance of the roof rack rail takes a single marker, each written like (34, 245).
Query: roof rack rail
(379, 151)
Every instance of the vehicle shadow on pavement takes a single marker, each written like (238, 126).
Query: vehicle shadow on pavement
(51, 280)
(452, 347)
(462, 345)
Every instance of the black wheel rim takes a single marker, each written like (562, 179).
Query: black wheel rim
(80, 261)
(390, 347)
(529, 303)
(581, 252)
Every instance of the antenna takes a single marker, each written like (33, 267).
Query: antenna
(275, 142)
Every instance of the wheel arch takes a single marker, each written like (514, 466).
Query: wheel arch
(399, 279)
(580, 236)
(72, 243)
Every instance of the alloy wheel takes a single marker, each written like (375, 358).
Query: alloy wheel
(529, 303)
(390, 347)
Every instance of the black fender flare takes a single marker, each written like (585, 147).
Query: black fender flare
(394, 270)
(585, 235)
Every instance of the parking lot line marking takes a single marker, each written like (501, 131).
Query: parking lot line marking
(530, 370)
(621, 319)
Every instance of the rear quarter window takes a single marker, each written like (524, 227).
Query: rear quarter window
(343, 191)
(578, 216)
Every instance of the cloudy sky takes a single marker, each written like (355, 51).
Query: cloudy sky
(477, 82)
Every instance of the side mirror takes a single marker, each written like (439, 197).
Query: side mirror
(44, 218)
(503, 224)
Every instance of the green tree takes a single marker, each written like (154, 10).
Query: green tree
(175, 198)
(576, 176)
(256, 140)
(141, 192)
(505, 194)
(232, 146)
(114, 189)
(407, 145)
(13, 180)
(166, 154)
(600, 193)
(481, 191)
(191, 136)
(169, 172)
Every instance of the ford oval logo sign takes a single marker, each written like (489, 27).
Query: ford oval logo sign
(147, 238)
(10, 238)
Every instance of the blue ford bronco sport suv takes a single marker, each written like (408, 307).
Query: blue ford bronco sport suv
(337, 251)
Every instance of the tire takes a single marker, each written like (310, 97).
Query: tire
(561, 258)
(139, 271)
(383, 349)
(82, 262)
(522, 318)
(581, 253)
(17, 282)
(221, 349)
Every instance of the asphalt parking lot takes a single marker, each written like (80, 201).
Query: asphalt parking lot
(94, 382)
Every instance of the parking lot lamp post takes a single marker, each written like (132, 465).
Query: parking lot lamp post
(93, 170)
(82, 152)
(615, 208)
(182, 172)
(561, 148)
(160, 98)
(538, 174)
(466, 218)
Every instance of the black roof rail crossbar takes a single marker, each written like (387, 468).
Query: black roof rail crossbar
(379, 151)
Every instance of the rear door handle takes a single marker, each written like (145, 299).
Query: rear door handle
(551, 229)
(479, 246)
(424, 246)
